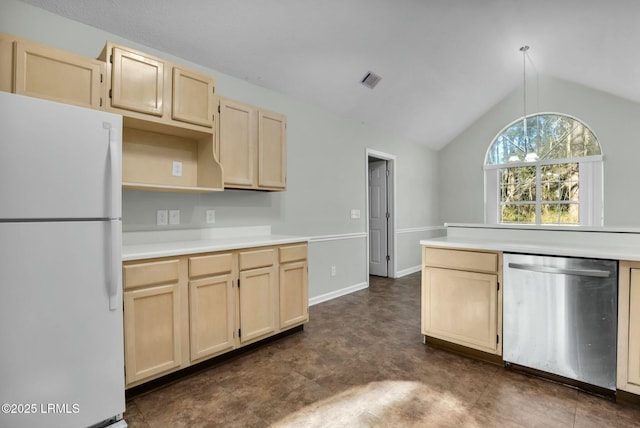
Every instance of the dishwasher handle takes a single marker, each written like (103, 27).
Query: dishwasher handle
(561, 271)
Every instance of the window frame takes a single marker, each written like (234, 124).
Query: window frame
(590, 181)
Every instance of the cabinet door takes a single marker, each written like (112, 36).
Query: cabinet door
(634, 328)
(272, 150)
(152, 333)
(461, 307)
(257, 303)
(294, 300)
(237, 141)
(45, 72)
(136, 82)
(192, 97)
(211, 314)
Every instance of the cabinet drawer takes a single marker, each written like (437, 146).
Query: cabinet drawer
(156, 272)
(293, 252)
(459, 259)
(211, 264)
(257, 258)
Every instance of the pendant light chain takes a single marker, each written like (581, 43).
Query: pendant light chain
(524, 50)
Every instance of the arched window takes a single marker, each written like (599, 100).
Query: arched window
(547, 170)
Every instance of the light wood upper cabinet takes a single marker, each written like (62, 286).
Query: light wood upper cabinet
(237, 140)
(168, 97)
(137, 81)
(252, 145)
(37, 70)
(192, 99)
(169, 142)
(628, 370)
(461, 299)
(272, 150)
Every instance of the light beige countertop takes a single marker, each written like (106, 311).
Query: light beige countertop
(591, 242)
(144, 245)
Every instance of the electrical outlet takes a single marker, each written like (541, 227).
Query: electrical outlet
(176, 169)
(210, 216)
(162, 217)
(333, 271)
(174, 216)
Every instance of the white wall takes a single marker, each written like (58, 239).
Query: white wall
(326, 168)
(612, 119)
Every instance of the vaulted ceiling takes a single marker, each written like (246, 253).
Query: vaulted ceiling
(443, 63)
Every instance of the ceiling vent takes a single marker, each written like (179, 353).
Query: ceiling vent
(370, 80)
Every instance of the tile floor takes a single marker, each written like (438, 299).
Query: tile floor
(360, 362)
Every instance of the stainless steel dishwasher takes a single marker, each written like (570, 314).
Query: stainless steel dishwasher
(560, 318)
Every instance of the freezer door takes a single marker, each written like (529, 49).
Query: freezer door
(58, 160)
(62, 346)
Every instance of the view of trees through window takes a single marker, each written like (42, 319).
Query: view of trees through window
(539, 175)
(558, 189)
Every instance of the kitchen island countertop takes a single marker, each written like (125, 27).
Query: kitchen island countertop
(615, 244)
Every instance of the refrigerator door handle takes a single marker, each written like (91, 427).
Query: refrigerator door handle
(114, 278)
(116, 175)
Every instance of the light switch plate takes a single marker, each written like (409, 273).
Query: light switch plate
(210, 216)
(355, 213)
(174, 216)
(162, 217)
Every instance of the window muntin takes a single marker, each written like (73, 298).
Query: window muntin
(539, 176)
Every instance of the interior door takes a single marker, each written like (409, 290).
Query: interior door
(378, 220)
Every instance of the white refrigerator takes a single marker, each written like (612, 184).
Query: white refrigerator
(61, 337)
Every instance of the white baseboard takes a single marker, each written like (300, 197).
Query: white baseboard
(335, 294)
(408, 271)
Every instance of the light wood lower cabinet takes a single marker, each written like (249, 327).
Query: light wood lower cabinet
(211, 316)
(628, 370)
(461, 298)
(154, 318)
(294, 298)
(257, 293)
(183, 310)
(258, 314)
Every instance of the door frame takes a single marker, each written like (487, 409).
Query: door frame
(391, 202)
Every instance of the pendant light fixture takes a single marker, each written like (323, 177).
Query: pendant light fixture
(530, 154)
